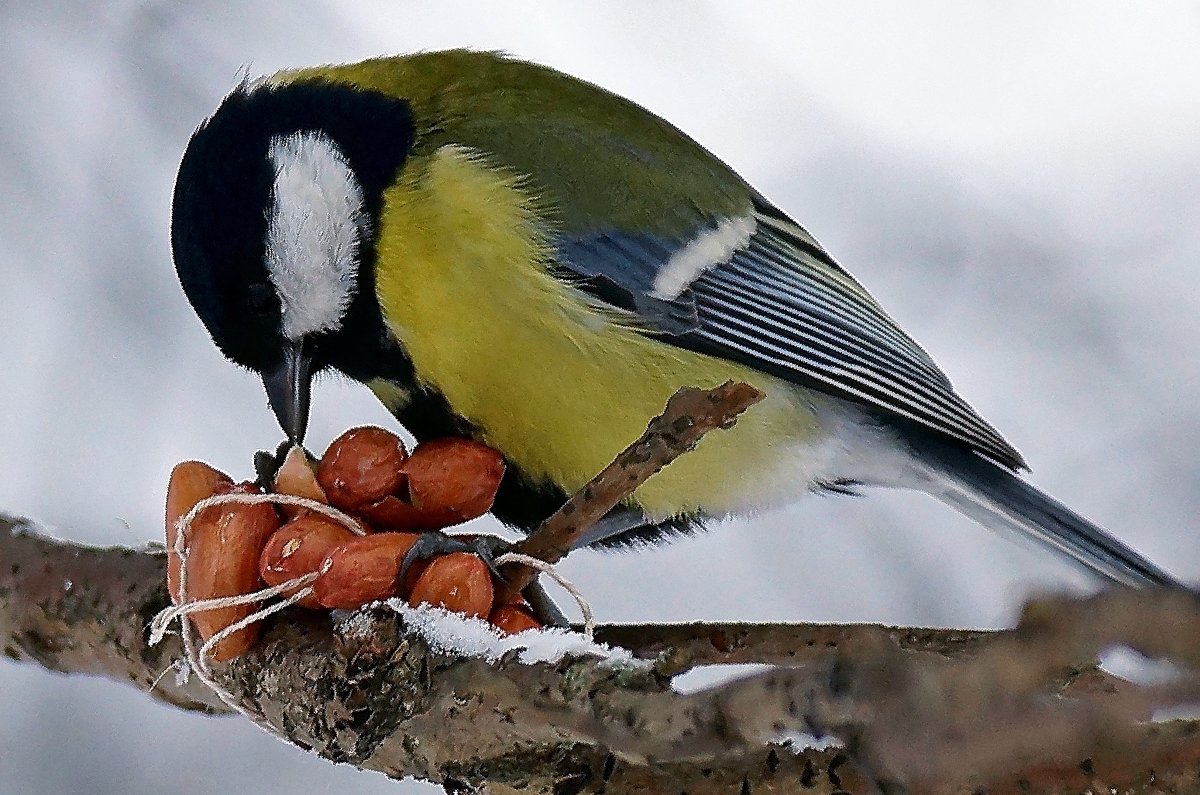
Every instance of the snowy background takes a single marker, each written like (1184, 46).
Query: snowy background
(1018, 183)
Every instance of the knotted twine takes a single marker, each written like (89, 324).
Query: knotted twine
(197, 658)
(589, 621)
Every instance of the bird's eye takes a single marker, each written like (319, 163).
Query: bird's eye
(261, 298)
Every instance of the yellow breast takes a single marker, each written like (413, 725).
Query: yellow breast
(556, 383)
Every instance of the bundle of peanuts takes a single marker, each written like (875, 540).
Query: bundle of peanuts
(236, 548)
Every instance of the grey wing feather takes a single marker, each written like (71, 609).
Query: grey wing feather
(782, 305)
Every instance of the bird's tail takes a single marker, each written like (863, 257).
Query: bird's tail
(1000, 500)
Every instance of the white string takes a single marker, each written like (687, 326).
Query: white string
(589, 622)
(346, 519)
(198, 659)
(255, 617)
(161, 622)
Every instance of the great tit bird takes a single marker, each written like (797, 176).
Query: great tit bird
(502, 251)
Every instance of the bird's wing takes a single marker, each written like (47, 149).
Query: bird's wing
(649, 221)
(759, 290)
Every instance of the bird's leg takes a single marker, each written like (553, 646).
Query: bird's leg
(543, 607)
(433, 543)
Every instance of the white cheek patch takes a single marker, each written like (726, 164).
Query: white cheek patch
(710, 248)
(313, 233)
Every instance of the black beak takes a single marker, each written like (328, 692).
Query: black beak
(288, 386)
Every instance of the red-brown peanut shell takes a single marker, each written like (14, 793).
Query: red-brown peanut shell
(451, 480)
(511, 619)
(362, 570)
(190, 482)
(361, 467)
(459, 582)
(297, 477)
(299, 548)
(224, 546)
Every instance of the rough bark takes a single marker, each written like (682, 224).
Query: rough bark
(82, 610)
(933, 710)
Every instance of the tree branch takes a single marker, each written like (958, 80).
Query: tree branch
(81, 610)
(371, 692)
(681, 647)
(938, 710)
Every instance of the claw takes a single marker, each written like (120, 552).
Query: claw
(488, 548)
(433, 543)
(430, 545)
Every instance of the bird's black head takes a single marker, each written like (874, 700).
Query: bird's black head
(275, 205)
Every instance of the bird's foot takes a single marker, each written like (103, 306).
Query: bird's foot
(434, 543)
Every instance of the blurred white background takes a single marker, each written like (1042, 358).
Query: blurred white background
(1018, 183)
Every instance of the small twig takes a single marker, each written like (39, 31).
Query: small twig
(690, 413)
